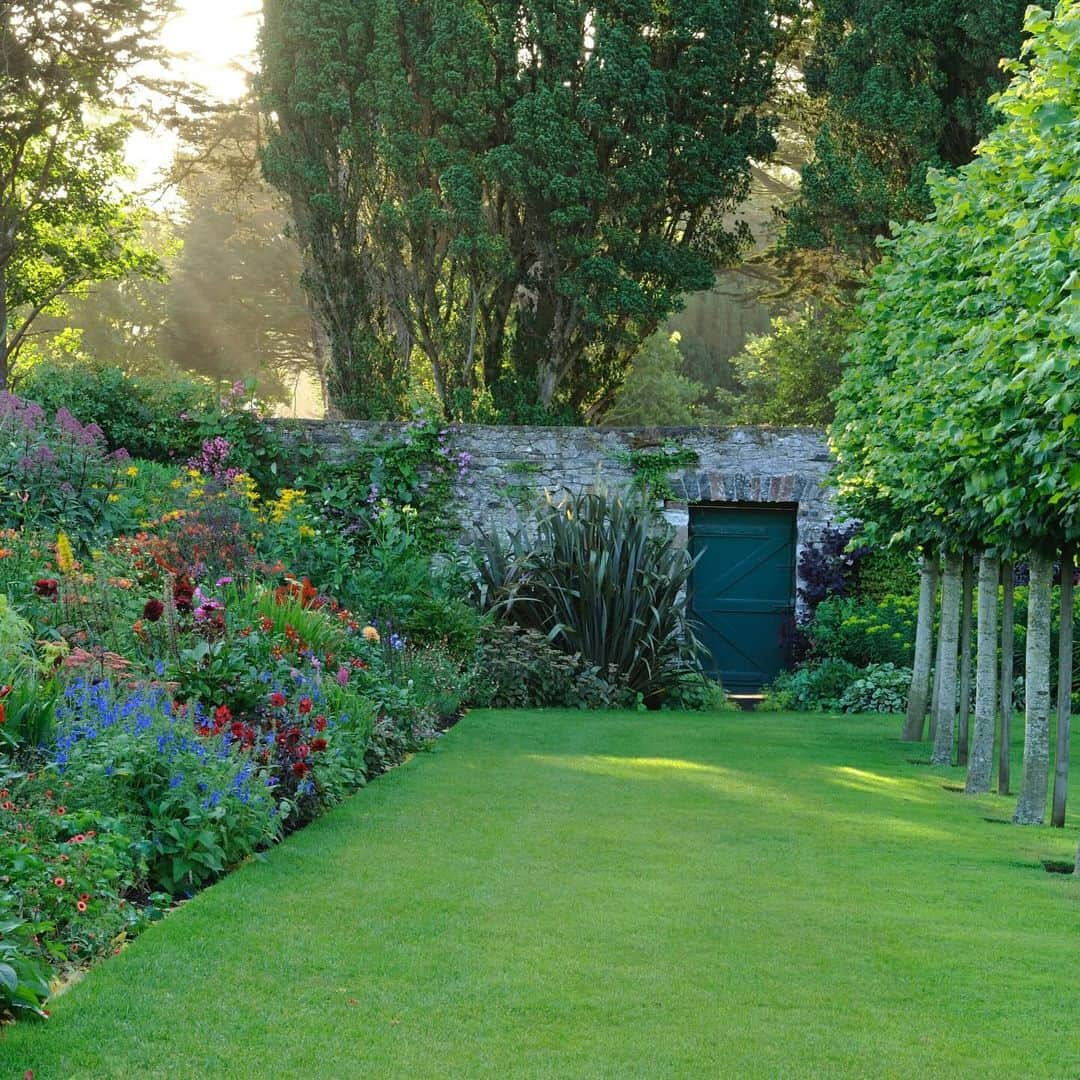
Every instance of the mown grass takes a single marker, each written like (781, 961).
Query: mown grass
(570, 895)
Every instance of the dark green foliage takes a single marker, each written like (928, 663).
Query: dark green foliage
(522, 669)
(512, 196)
(24, 979)
(145, 416)
(786, 377)
(884, 572)
(657, 391)
(597, 575)
(396, 582)
(905, 86)
(817, 686)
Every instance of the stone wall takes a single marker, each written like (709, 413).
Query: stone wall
(511, 467)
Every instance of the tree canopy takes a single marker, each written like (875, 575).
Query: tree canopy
(956, 417)
(904, 85)
(515, 195)
(63, 222)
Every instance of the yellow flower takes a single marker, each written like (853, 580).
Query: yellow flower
(114, 498)
(177, 483)
(132, 471)
(288, 499)
(247, 487)
(369, 633)
(65, 557)
(306, 532)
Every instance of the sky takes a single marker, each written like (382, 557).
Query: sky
(214, 44)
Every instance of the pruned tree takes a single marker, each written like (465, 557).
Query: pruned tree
(956, 417)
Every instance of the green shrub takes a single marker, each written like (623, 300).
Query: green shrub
(879, 688)
(865, 632)
(138, 414)
(698, 693)
(522, 669)
(410, 591)
(24, 978)
(817, 686)
(885, 572)
(601, 576)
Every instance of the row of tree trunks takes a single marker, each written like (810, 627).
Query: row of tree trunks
(949, 720)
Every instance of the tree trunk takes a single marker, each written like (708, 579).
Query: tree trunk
(965, 660)
(924, 648)
(1007, 618)
(3, 330)
(1035, 775)
(981, 762)
(1064, 695)
(948, 642)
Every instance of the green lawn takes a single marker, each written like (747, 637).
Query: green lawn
(570, 895)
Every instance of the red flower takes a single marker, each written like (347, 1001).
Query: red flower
(153, 610)
(183, 594)
(222, 714)
(59, 882)
(78, 838)
(318, 744)
(302, 751)
(320, 722)
(61, 810)
(300, 768)
(47, 587)
(304, 707)
(81, 905)
(277, 699)
(84, 897)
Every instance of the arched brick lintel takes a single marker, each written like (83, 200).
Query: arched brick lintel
(737, 487)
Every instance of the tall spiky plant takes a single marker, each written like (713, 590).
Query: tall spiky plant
(601, 576)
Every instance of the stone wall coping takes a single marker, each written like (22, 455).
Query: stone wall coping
(628, 432)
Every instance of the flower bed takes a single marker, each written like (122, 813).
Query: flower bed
(173, 698)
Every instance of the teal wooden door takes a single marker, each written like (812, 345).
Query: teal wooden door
(742, 594)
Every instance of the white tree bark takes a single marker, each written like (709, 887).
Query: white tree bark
(918, 695)
(981, 760)
(1035, 775)
(948, 643)
(1007, 631)
(1064, 695)
(965, 660)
